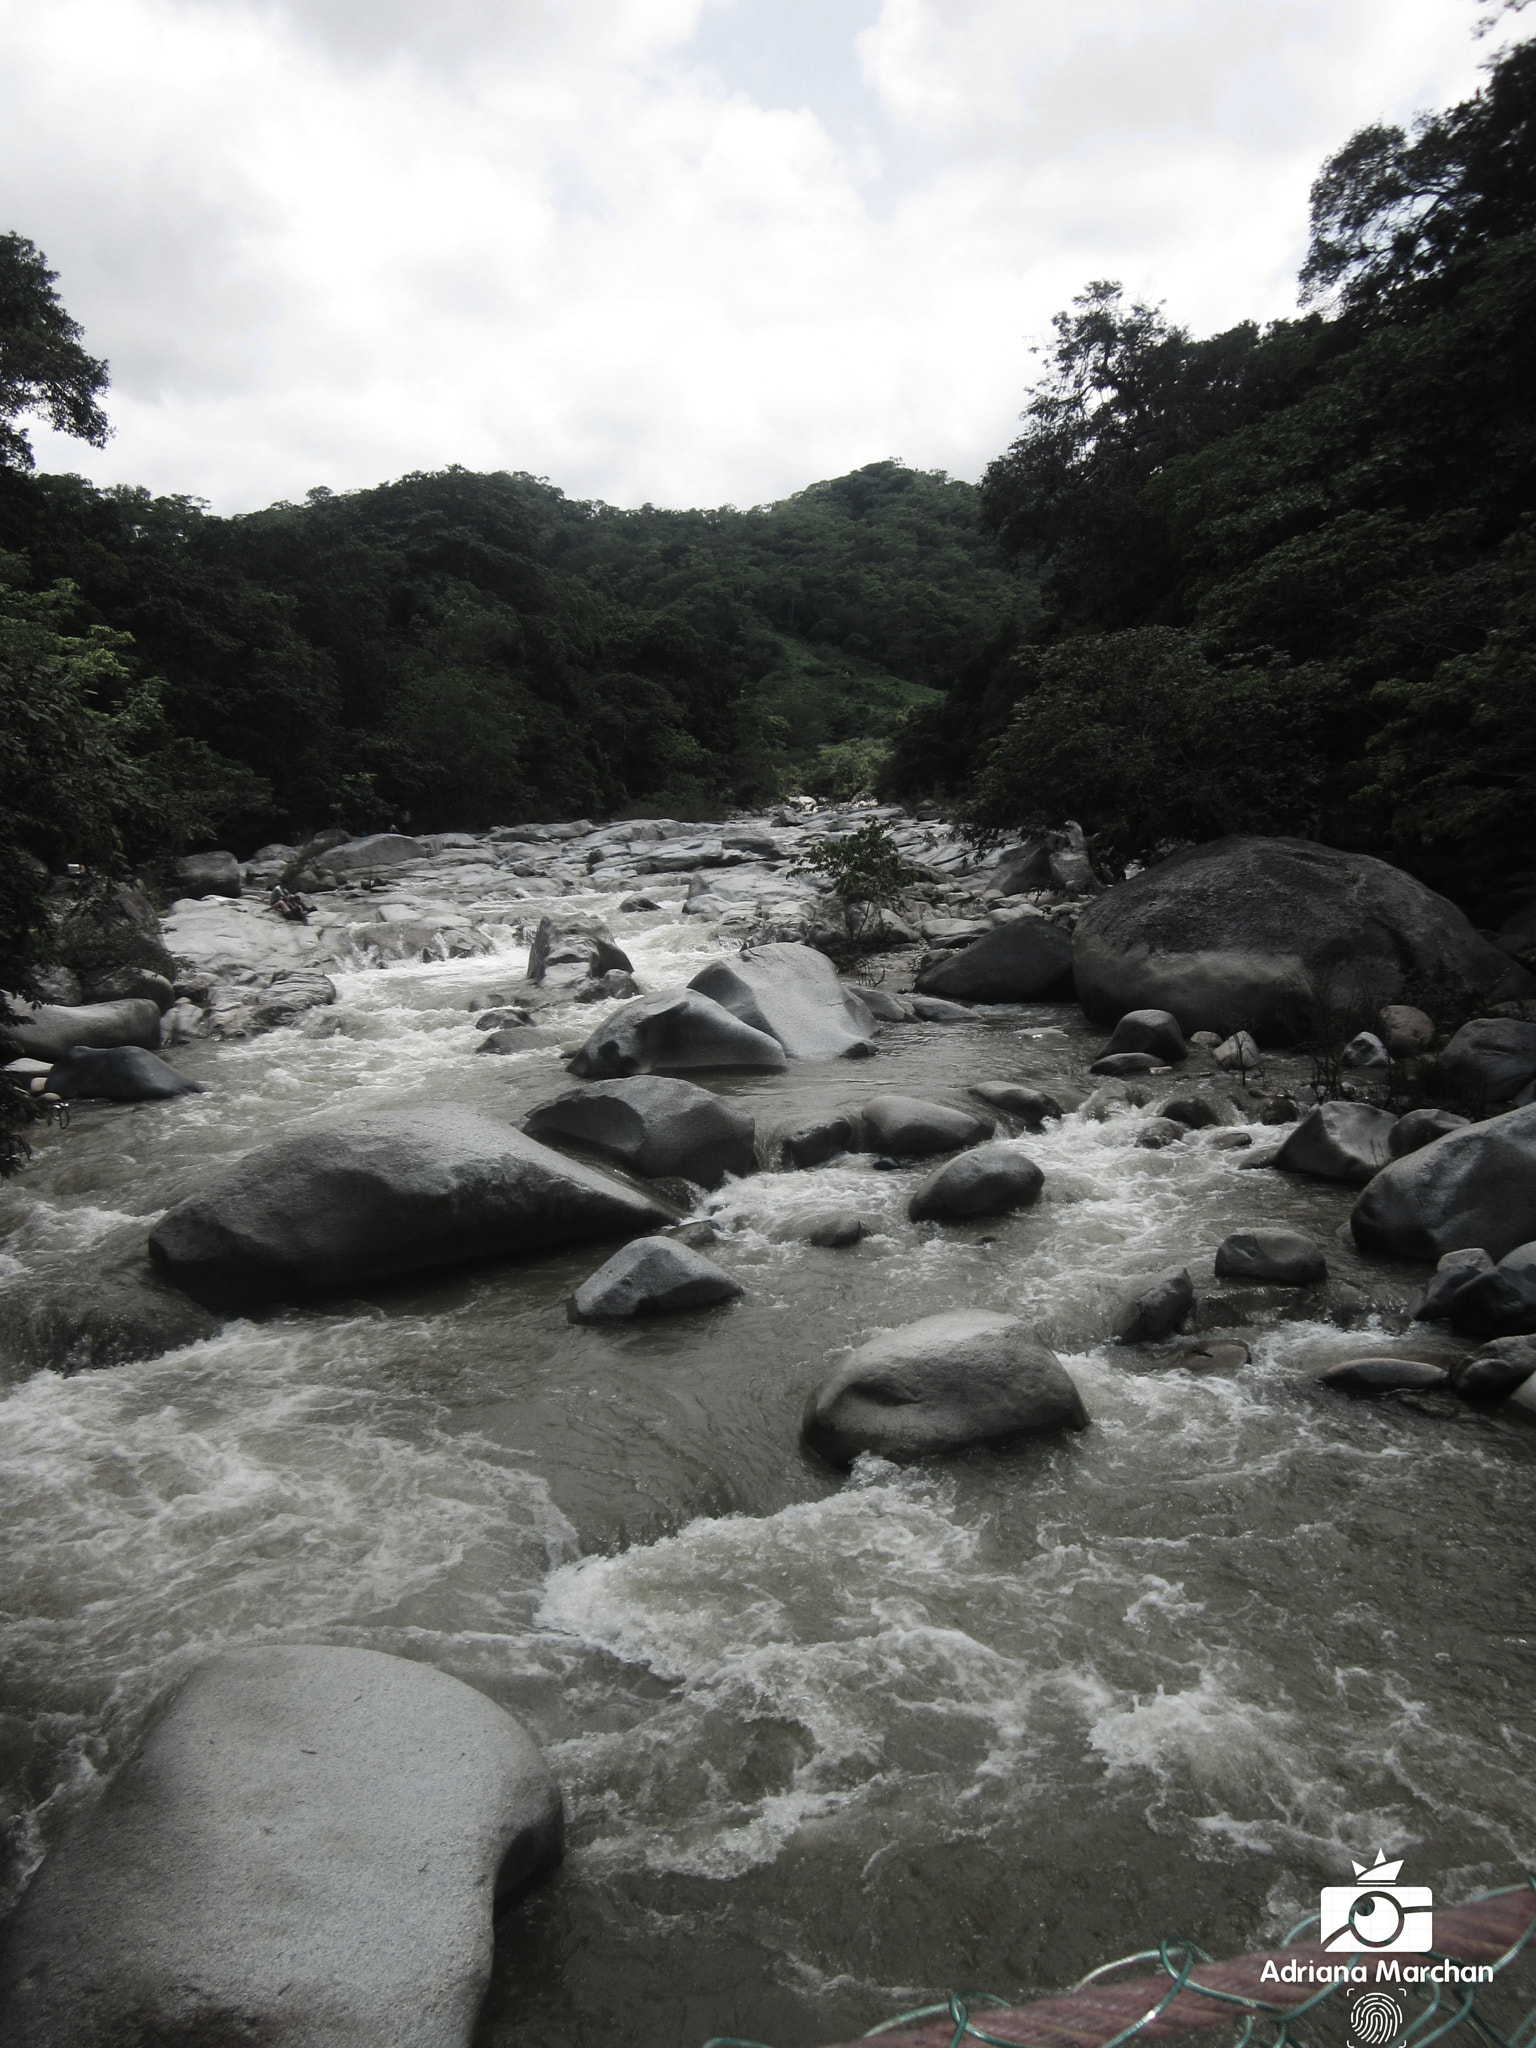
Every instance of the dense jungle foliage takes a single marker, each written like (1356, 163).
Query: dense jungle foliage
(1286, 574)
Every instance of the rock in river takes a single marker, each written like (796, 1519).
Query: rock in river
(1494, 1373)
(1475, 1186)
(1277, 934)
(650, 1276)
(307, 1850)
(571, 948)
(120, 1073)
(1282, 1256)
(47, 1031)
(1154, 1031)
(1347, 1141)
(1384, 1376)
(654, 1126)
(1490, 1060)
(907, 1127)
(988, 1181)
(1030, 1105)
(792, 993)
(342, 1203)
(1026, 961)
(1159, 1309)
(677, 1032)
(968, 1377)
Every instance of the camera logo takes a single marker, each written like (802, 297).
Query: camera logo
(1375, 2019)
(1378, 1913)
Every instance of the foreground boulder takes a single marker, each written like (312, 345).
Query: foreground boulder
(968, 1377)
(792, 993)
(907, 1127)
(1490, 1060)
(306, 1851)
(1347, 1141)
(1026, 961)
(1278, 935)
(345, 1203)
(652, 1125)
(651, 1276)
(989, 1181)
(674, 1033)
(1475, 1186)
(121, 1073)
(47, 1031)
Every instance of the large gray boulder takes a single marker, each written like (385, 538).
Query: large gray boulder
(653, 1125)
(989, 1181)
(1347, 1141)
(306, 1852)
(47, 1031)
(571, 948)
(651, 1276)
(1283, 1257)
(208, 874)
(1028, 960)
(343, 1203)
(1475, 1186)
(1282, 936)
(792, 992)
(377, 850)
(967, 1377)
(907, 1127)
(120, 1073)
(1490, 1060)
(678, 1032)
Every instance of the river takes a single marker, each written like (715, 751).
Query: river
(830, 1744)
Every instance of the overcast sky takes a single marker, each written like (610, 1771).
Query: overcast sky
(690, 251)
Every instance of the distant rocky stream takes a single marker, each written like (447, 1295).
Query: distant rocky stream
(831, 1737)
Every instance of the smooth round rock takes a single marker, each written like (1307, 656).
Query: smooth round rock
(966, 1377)
(1489, 1061)
(47, 1031)
(1475, 1186)
(934, 1010)
(308, 1848)
(1028, 960)
(654, 1125)
(1152, 1031)
(989, 1181)
(1384, 1376)
(650, 1276)
(1118, 1064)
(1194, 1112)
(792, 993)
(677, 1032)
(1422, 1127)
(815, 1144)
(1494, 1372)
(1032, 1106)
(905, 1126)
(836, 1233)
(1405, 1031)
(1497, 1304)
(1158, 1132)
(1282, 1256)
(1159, 1309)
(119, 1073)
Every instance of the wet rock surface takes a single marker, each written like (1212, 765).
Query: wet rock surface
(651, 1276)
(654, 1126)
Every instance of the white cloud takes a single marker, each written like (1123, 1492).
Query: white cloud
(326, 241)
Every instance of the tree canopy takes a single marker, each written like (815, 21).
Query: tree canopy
(43, 367)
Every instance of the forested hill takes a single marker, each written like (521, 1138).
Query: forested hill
(468, 648)
(1288, 575)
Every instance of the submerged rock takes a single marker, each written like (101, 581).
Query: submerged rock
(792, 993)
(1282, 933)
(345, 1203)
(1032, 1106)
(121, 1073)
(1119, 1064)
(111, 1308)
(968, 1377)
(836, 1233)
(654, 1125)
(989, 1181)
(674, 1033)
(1475, 1186)
(306, 1850)
(650, 1276)
(1384, 1376)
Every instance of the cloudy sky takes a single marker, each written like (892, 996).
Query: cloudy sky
(690, 251)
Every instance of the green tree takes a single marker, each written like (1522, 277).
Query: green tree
(43, 367)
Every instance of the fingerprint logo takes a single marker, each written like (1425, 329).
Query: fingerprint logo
(1375, 2019)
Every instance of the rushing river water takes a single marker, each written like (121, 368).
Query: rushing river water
(829, 1744)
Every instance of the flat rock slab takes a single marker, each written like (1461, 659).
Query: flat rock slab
(792, 993)
(303, 1854)
(338, 1204)
(681, 1031)
(988, 1181)
(1475, 1186)
(968, 1377)
(907, 1127)
(654, 1125)
(651, 1276)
